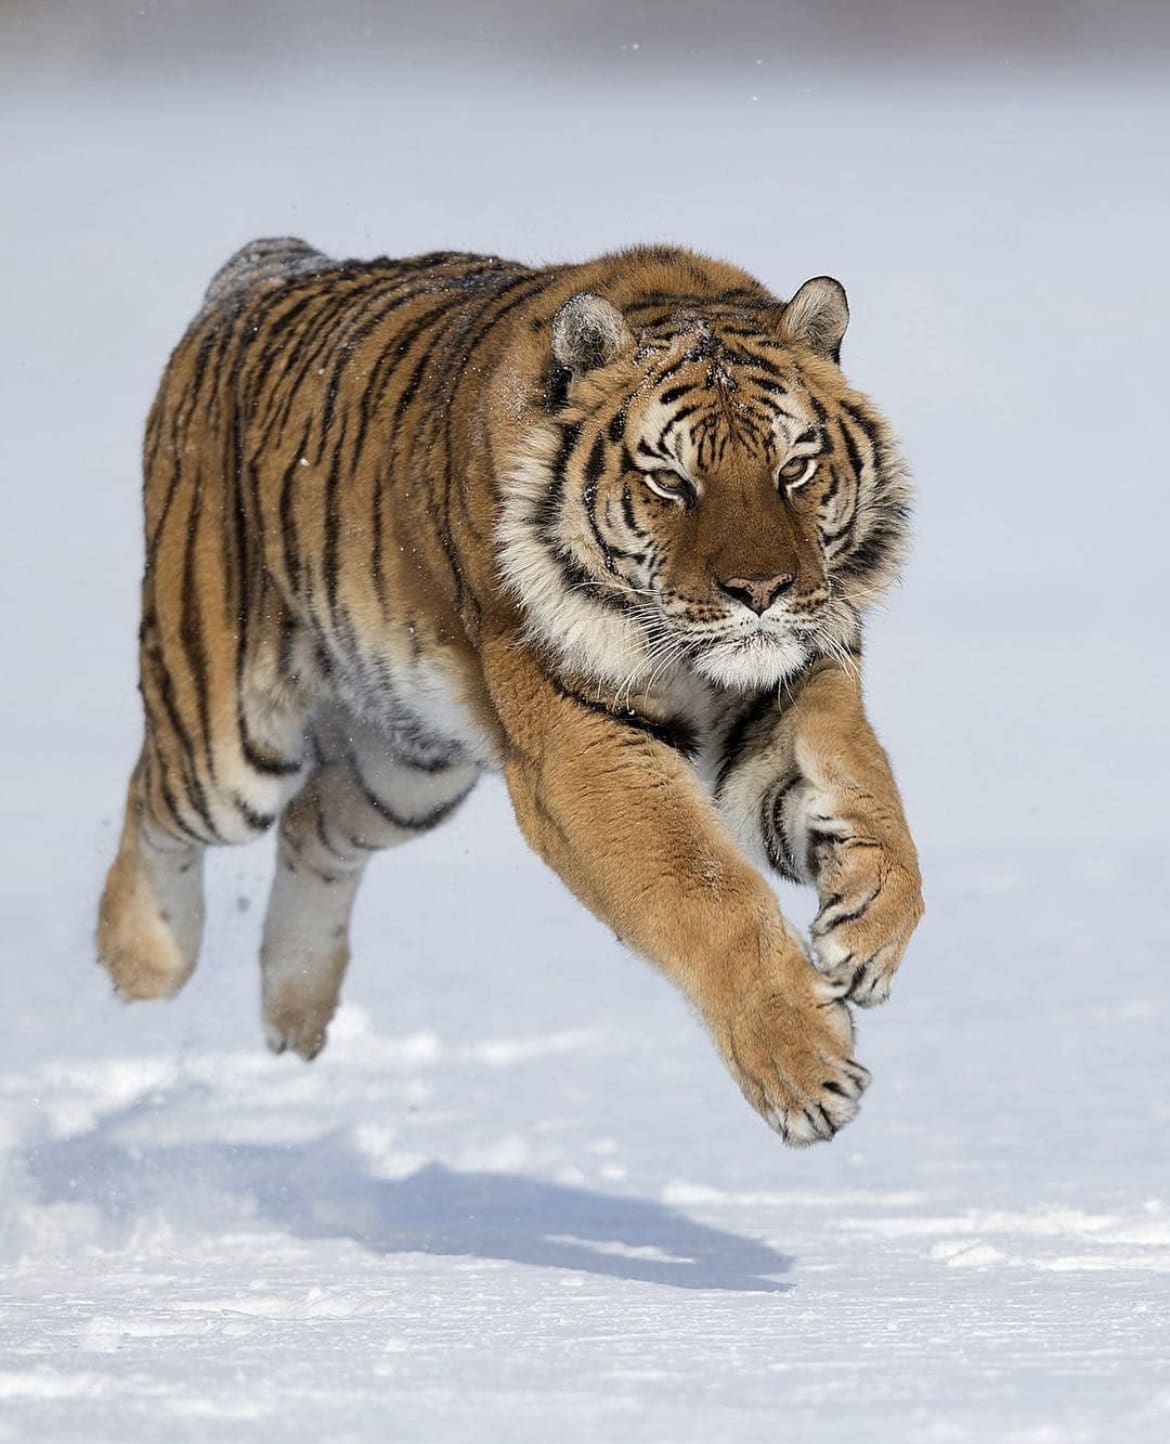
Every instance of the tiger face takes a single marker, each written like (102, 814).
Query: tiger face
(710, 495)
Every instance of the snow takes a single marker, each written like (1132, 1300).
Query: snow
(518, 1198)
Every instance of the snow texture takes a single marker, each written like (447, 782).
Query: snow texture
(518, 1198)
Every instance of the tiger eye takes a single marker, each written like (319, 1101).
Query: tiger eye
(798, 470)
(669, 485)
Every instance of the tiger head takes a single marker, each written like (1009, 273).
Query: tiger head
(704, 491)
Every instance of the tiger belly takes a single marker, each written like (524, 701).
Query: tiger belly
(418, 704)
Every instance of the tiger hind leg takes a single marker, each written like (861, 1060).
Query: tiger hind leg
(360, 798)
(150, 920)
(189, 791)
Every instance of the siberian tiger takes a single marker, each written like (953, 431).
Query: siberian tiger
(610, 528)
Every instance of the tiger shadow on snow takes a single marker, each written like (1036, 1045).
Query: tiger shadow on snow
(322, 1189)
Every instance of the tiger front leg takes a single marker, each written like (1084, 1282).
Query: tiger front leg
(622, 818)
(814, 784)
(786, 1038)
(849, 830)
(870, 895)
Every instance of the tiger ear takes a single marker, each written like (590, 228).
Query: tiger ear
(818, 315)
(588, 332)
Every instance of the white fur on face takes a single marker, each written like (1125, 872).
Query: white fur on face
(589, 636)
(744, 664)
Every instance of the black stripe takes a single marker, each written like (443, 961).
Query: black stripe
(271, 350)
(257, 759)
(873, 552)
(628, 513)
(331, 566)
(371, 391)
(594, 467)
(176, 449)
(577, 578)
(324, 324)
(753, 358)
(191, 626)
(290, 544)
(679, 416)
(776, 843)
(548, 512)
(674, 732)
(392, 356)
(863, 423)
(396, 819)
(258, 821)
(160, 772)
(515, 289)
(673, 393)
(304, 340)
(847, 917)
(192, 782)
(556, 386)
(733, 747)
(851, 449)
(325, 840)
(771, 388)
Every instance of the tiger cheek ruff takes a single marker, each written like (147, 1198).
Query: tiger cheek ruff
(611, 529)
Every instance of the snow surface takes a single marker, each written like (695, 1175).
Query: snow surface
(518, 1198)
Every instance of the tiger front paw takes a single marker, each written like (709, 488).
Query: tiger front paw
(871, 902)
(788, 1043)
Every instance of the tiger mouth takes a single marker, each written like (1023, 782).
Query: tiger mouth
(777, 630)
(752, 642)
(756, 641)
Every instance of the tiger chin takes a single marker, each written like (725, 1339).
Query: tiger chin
(611, 529)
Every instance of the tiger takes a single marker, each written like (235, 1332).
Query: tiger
(608, 528)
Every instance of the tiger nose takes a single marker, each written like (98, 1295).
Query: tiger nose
(758, 593)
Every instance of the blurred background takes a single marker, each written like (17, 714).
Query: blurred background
(990, 182)
(219, 33)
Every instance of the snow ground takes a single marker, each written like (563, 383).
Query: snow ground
(518, 1198)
